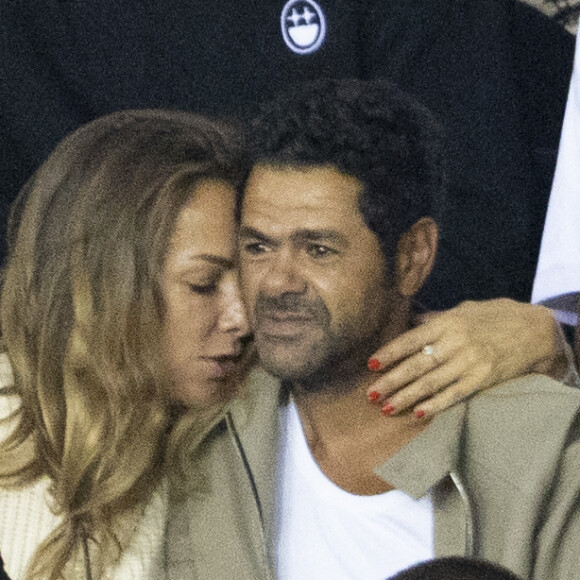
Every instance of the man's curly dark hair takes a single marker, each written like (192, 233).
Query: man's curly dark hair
(370, 130)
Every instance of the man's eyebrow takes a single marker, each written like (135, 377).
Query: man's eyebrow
(322, 235)
(249, 232)
(299, 236)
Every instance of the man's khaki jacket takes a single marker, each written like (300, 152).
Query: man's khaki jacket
(503, 470)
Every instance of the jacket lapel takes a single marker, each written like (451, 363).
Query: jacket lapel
(254, 422)
(429, 463)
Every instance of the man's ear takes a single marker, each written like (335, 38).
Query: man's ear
(416, 252)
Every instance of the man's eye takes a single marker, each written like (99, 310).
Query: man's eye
(317, 251)
(203, 289)
(255, 248)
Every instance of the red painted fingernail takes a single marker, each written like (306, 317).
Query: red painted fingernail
(419, 414)
(388, 409)
(373, 396)
(374, 364)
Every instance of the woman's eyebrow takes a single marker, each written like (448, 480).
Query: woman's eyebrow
(213, 259)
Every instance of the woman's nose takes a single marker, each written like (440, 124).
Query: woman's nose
(233, 313)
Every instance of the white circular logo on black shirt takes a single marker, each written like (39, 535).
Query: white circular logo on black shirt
(303, 26)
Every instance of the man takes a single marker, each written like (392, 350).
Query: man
(302, 477)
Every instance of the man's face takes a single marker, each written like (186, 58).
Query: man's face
(313, 274)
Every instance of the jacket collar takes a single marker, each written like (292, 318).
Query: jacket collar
(429, 462)
(427, 458)
(252, 418)
(415, 468)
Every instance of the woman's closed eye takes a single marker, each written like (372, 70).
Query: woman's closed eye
(203, 289)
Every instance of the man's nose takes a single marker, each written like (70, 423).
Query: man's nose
(283, 275)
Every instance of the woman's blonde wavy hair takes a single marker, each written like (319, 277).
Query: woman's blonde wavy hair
(81, 313)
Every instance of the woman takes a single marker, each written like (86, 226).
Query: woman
(119, 308)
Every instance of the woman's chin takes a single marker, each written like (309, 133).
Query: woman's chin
(204, 394)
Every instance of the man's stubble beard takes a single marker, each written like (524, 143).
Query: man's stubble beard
(330, 359)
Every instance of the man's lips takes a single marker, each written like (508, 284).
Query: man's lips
(283, 324)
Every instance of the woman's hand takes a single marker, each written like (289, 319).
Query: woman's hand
(451, 355)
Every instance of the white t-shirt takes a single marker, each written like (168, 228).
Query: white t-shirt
(326, 532)
(557, 281)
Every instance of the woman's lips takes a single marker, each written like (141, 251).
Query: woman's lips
(223, 366)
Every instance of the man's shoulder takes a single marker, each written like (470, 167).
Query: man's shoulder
(252, 413)
(530, 421)
(259, 394)
(530, 395)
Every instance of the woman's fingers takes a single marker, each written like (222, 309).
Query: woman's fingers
(411, 369)
(404, 346)
(453, 394)
(456, 353)
(429, 384)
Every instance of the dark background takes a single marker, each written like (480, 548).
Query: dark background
(496, 73)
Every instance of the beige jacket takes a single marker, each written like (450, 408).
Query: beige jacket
(504, 471)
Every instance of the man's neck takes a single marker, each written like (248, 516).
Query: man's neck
(349, 437)
(339, 407)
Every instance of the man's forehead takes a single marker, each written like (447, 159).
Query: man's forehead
(301, 188)
(302, 202)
